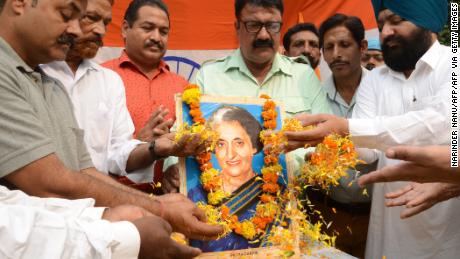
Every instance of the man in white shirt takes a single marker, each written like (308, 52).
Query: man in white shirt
(99, 100)
(404, 103)
(42, 151)
(52, 228)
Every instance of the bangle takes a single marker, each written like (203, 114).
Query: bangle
(153, 155)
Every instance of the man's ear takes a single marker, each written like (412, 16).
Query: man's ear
(363, 46)
(17, 6)
(236, 24)
(124, 29)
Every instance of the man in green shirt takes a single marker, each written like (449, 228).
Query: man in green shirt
(257, 68)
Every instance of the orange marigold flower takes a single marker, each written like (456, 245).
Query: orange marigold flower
(270, 177)
(270, 159)
(191, 86)
(270, 124)
(203, 157)
(264, 96)
(194, 105)
(200, 120)
(269, 114)
(348, 147)
(269, 105)
(316, 158)
(195, 113)
(330, 143)
(270, 187)
(266, 198)
(225, 212)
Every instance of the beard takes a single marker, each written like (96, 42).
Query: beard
(86, 49)
(410, 50)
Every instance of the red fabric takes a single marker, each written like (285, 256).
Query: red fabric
(144, 95)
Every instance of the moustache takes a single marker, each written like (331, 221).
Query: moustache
(262, 44)
(66, 39)
(392, 38)
(338, 62)
(150, 43)
(91, 42)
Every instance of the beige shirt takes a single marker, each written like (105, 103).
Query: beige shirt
(36, 118)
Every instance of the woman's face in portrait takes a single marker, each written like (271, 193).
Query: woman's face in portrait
(234, 151)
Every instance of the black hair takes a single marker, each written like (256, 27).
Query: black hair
(352, 23)
(133, 9)
(252, 127)
(298, 28)
(240, 4)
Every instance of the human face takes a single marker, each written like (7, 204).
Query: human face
(372, 59)
(48, 29)
(147, 39)
(403, 43)
(341, 52)
(258, 48)
(305, 43)
(234, 151)
(93, 25)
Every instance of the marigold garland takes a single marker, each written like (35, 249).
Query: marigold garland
(330, 161)
(335, 154)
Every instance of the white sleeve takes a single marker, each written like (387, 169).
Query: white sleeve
(32, 227)
(428, 124)
(122, 142)
(27, 232)
(83, 208)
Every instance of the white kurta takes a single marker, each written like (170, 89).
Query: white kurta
(52, 228)
(99, 100)
(392, 110)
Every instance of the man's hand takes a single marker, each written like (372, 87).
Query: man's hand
(156, 126)
(185, 217)
(188, 145)
(156, 241)
(424, 164)
(171, 180)
(325, 125)
(420, 197)
(125, 212)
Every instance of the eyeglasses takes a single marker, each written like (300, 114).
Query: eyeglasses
(255, 26)
(366, 57)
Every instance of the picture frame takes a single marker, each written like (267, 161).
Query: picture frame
(246, 194)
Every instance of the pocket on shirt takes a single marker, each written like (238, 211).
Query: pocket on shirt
(294, 105)
(99, 128)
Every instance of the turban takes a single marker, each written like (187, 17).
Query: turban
(373, 44)
(428, 14)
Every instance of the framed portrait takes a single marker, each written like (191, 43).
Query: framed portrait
(239, 158)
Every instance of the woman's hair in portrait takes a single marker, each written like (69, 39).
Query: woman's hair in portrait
(228, 113)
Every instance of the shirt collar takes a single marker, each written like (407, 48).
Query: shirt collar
(124, 59)
(236, 61)
(12, 57)
(431, 58)
(331, 91)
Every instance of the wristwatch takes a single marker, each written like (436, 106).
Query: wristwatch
(153, 155)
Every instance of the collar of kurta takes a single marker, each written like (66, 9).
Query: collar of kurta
(124, 59)
(331, 91)
(431, 58)
(236, 61)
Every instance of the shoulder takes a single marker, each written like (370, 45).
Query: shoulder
(294, 67)
(215, 64)
(111, 64)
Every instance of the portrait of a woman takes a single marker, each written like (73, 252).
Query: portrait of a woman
(237, 145)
